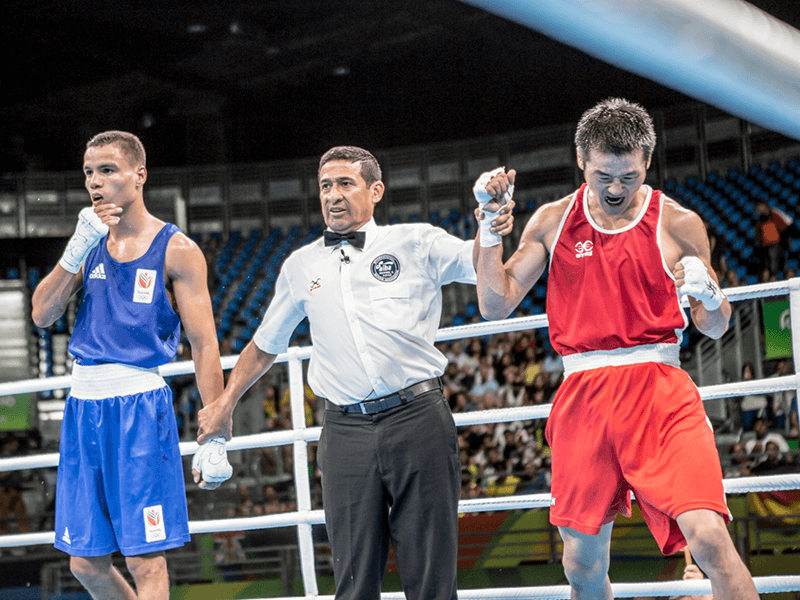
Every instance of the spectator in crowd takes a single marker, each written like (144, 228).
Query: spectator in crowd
(794, 429)
(731, 279)
(539, 390)
(520, 348)
(758, 445)
(718, 250)
(553, 366)
(770, 238)
(740, 462)
(692, 571)
(272, 502)
(774, 461)
(512, 393)
(485, 380)
(243, 495)
(452, 380)
(782, 401)
(228, 550)
(533, 364)
(767, 276)
(461, 402)
(470, 360)
(11, 501)
(752, 406)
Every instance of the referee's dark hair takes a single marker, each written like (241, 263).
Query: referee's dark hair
(370, 169)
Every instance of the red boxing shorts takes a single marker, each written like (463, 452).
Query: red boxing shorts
(638, 427)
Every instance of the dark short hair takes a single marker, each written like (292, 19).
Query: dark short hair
(131, 145)
(615, 126)
(370, 169)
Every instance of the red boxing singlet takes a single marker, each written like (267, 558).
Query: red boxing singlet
(610, 289)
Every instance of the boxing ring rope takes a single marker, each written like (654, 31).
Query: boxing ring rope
(300, 435)
(727, 53)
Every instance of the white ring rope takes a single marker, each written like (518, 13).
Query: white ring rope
(301, 435)
(764, 585)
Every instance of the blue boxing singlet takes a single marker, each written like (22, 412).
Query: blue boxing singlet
(126, 316)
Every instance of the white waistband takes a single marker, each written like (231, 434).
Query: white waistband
(668, 354)
(96, 382)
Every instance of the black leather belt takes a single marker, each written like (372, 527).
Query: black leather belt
(370, 407)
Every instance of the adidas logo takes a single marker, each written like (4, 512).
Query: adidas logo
(99, 272)
(65, 537)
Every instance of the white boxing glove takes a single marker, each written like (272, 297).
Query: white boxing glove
(211, 461)
(88, 233)
(699, 285)
(488, 237)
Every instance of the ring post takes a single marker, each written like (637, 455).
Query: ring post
(302, 484)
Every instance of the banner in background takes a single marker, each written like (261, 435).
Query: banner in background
(777, 329)
(15, 413)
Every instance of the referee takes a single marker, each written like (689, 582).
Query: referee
(388, 451)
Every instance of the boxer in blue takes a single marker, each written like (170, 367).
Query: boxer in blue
(120, 479)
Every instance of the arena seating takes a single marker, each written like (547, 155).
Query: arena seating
(243, 267)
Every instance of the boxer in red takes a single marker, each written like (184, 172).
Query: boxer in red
(620, 255)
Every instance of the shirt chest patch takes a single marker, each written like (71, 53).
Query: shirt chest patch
(385, 268)
(583, 249)
(144, 286)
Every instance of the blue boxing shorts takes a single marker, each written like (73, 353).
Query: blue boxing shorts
(120, 479)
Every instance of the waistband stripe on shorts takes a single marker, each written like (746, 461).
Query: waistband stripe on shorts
(668, 354)
(97, 382)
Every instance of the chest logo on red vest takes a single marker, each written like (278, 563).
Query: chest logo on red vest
(583, 249)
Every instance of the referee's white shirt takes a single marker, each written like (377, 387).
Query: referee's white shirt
(373, 312)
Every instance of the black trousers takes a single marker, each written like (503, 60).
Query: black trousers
(393, 476)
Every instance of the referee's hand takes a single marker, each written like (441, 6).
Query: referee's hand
(214, 420)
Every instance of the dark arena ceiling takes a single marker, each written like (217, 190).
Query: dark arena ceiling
(207, 82)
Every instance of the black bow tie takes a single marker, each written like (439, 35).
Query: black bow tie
(355, 238)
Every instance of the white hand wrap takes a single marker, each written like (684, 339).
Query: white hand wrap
(211, 461)
(88, 233)
(488, 237)
(699, 285)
